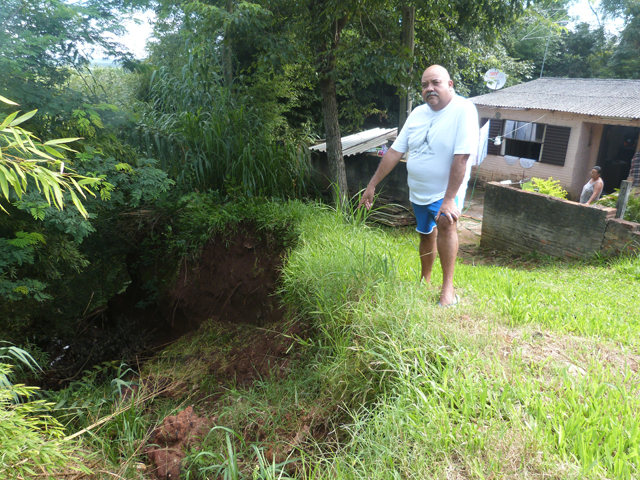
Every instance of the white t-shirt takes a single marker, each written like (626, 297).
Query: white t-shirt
(432, 139)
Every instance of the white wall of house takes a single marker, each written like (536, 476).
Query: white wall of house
(582, 150)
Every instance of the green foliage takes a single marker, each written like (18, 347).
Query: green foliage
(623, 63)
(227, 465)
(15, 358)
(60, 244)
(430, 390)
(99, 389)
(136, 183)
(15, 253)
(547, 186)
(203, 216)
(44, 39)
(632, 213)
(33, 442)
(23, 159)
(582, 53)
(206, 136)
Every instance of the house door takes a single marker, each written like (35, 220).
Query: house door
(617, 147)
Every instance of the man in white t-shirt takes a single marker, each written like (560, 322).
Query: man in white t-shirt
(439, 136)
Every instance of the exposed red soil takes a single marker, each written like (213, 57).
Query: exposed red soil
(233, 280)
(171, 441)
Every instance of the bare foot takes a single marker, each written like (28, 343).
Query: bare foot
(447, 296)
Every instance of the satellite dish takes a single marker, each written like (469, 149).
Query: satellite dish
(495, 79)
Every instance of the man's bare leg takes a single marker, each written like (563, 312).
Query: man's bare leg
(448, 250)
(427, 251)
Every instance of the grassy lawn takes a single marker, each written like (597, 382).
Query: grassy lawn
(534, 375)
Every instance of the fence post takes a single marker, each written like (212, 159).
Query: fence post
(623, 198)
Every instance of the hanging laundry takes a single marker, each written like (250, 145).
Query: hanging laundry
(483, 141)
(527, 162)
(511, 160)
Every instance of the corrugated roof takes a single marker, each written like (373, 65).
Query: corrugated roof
(587, 96)
(361, 142)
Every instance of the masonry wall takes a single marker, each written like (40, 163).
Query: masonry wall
(580, 158)
(521, 221)
(621, 236)
(586, 152)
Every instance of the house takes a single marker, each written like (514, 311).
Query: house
(561, 128)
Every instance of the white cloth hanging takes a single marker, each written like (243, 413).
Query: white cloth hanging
(475, 159)
(483, 143)
(511, 160)
(527, 162)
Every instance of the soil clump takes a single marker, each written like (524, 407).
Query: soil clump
(171, 441)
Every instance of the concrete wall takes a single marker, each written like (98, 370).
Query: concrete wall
(582, 150)
(360, 168)
(521, 221)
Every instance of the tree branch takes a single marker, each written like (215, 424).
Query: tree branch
(14, 13)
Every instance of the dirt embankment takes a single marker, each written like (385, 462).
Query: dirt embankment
(222, 304)
(231, 281)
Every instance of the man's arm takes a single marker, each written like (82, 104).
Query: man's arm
(390, 160)
(456, 175)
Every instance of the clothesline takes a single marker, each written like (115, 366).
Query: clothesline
(512, 131)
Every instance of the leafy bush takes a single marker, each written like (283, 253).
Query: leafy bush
(549, 187)
(208, 135)
(45, 250)
(24, 161)
(33, 442)
(632, 213)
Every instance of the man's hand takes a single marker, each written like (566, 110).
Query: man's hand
(367, 198)
(449, 210)
(389, 160)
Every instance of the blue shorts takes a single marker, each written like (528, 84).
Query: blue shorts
(426, 216)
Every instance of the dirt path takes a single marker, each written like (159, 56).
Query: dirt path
(471, 224)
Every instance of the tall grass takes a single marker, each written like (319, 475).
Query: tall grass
(209, 136)
(533, 375)
(457, 393)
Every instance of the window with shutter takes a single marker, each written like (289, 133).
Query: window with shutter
(556, 141)
(523, 139)
(495, 130)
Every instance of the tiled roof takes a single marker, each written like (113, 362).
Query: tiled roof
(586, 96)
(363, 141)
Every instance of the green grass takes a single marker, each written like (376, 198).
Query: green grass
(577, 297)
(470, 391)
(532, 376)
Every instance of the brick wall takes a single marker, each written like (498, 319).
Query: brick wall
(621, 236)
(520, 221)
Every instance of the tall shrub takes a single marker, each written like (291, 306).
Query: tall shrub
(208, 135)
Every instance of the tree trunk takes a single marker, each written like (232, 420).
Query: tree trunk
(326, 67)
(334, 139)
(408, 40)
(227, 53)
